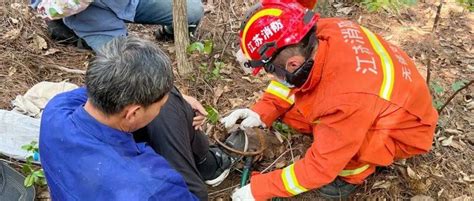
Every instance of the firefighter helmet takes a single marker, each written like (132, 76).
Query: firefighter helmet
(272, 25)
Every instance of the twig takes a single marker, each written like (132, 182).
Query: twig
(452, 96)
(428, 70)
(438, 14)
(225, 189)
(274, 162)
(68, 70)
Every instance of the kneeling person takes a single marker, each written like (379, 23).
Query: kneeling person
(87, 148)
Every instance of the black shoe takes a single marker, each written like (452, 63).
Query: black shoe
(224, 162)
(59, 32)
(337, 189)
(165, 33)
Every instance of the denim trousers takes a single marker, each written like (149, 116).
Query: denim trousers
(99, 24)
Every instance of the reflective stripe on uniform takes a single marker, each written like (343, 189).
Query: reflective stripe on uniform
(280, 91)
(291, 183)
(387, 65)
(345, 173)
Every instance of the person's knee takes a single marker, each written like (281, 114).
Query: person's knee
(195, 11)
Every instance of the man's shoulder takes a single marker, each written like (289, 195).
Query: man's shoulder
(67, 100)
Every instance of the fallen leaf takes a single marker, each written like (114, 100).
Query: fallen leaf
(470, 105)
(453, 131)
(235, 102)
(448, 141)
(382, 184)
(457, 145)
(468, 178)
(40, 43)
(51, 51)
(462, 198)
(412, 173)
(217, 94)
(278, 136)
(14, 20)
(440, 192)
(421, 198)
(345, 10)
(12, 34)
(280, 164)
(247, 79)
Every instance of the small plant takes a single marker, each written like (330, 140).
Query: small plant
(204, 49)
(212, 115)
(439, 91)
(283, 129)
(34, 175)
(376, 5)
(468, 4)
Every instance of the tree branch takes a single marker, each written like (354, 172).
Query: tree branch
(452, 96)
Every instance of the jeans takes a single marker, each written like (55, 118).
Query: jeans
(99, 23)
(172, 135)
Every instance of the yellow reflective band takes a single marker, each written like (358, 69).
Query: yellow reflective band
(387, 65)
(346, 173)
(280, 91)
(259, 14)
(291, 183)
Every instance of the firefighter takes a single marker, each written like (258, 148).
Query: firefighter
(360, 97)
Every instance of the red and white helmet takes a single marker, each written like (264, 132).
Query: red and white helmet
(272, 25)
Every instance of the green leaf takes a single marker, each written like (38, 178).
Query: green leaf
(26, 169)
(196, 46)
(437, 104)
(437, 88)
(208, 46)
(212, 114)
(29, 180)
(29, 159)
(40, 173)
(42, 182)
(458, 84)
(216, 72)
(27, 147)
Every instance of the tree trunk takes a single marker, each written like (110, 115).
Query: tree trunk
(181, 36)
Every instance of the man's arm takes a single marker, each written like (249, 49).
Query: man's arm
(276, 100)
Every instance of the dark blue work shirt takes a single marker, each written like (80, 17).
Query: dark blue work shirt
(86, 160)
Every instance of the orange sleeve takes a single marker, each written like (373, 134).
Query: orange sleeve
(276, 100)
(269, 108)
(338, 135)
(308, 3)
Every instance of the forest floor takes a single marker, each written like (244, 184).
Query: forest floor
(28, 56)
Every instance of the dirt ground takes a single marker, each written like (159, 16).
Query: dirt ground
(28, 56)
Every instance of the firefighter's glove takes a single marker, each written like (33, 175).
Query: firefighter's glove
(249, 119)
(243, 194)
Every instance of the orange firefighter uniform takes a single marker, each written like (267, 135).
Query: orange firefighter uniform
(364, 103)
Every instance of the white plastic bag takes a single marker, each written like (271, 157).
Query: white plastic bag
(17, 130)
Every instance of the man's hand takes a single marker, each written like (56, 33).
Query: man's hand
(243, 194)
(250, 119)
(200, 112)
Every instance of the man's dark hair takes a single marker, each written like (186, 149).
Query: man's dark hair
(125, 71)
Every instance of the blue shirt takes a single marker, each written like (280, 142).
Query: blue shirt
(86, 160)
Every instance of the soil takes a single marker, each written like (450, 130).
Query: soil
(28, 56)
